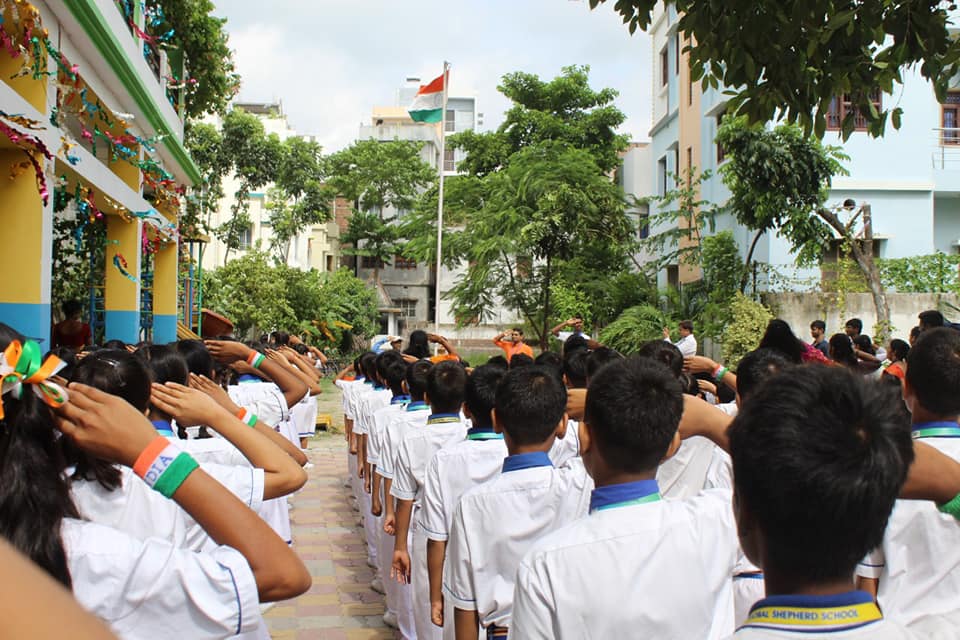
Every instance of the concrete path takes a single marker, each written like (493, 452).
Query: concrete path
(340, 605)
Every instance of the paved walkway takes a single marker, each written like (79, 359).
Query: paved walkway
(340, 605)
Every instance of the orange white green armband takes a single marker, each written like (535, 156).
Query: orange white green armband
(164, 466)
(247, 417)
(255, 359)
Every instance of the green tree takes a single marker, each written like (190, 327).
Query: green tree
(248, 291)
(822, 49)
(535, 195)
(749, 320)
(378, 177)
(203, 40)
(633, 328)
(299, 199)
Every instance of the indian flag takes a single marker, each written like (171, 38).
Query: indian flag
(428, 104)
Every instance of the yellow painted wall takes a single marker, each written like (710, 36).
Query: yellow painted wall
(33, 91)
(21, 210)
(122, 294)
(689, 143)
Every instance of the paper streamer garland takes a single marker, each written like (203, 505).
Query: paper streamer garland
(121, 264)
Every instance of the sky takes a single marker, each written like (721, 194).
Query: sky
(331, 61)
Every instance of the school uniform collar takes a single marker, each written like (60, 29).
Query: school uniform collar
(938, 429)
(246, 378)
(418, 405)
(806, 613)
(401, 399)
(163, 427)
(443, 418)
(519, 461)
(483, 433)
(624, 495)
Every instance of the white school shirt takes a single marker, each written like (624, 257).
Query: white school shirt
(378, 424)
(416, 449)
(684, 474)
(567, 447)
(150, 590)
(687, 345)
(347, 387)
(918, 563)
(845, 616)
(141, 512)
(496, 523)
(304, 416)
(659, 569)
(356, 392)
(369, 403)
(413, 417)
(452, 471)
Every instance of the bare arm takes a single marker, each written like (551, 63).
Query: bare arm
(932, 476)
(466, 624)
(228, 352)
(401, 556)
(436, 551)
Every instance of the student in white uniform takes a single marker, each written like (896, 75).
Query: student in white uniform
(445, 388)
(350, 380)
(918, 564)
(143, 588)
(497, 522)
(819, 458)
(637, 565)
(452, 472)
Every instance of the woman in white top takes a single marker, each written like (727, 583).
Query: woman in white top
(143, 588)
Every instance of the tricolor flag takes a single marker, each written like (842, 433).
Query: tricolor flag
(428, 104)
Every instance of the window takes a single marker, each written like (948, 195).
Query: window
(450, 121)
(664, 67)
(449, 164)
(400, 262)
(329, 263)
(408, 308)
(643, 221)
(840, 107)
(950, 119)
(689, 88)
(689, 165)
(369, 262)
(679, 49)
(662, 176)
(721, 152)
(246, 238)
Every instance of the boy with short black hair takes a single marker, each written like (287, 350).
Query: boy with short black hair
(452, 472)
(444, 427)
(853, 327)
(918, 564)
(575, 369)
(496, 522)
(818, 331)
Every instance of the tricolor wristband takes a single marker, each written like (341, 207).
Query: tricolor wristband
(951, 508)
(720, 373)
(164, 467)
(255, 359)
(247, 417)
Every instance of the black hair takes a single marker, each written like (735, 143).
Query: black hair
(197, 356)
(841, 350)
(480, 394)
(575, 368)
(819, 457)
(119, 373)
(520, 360)
(416, 378)
(931, 319)
(445, 387)
(418, 345)
(165, 364)
(34, 497)
(549, 359)
(687, 324)
(819, 324)
(856, 323)
(864, 343)
(689, 385)
(575, 343)
(899, 348)
(518, 330)
(368, 366)
(530, 402)
(780, 337)
(114, 344)
(915, 332)
(599, 358)
(301, 348)
(499, 361)
(391, 368)
(633, 410)
(71, 308)
(757, 367)
(69, 358)
(665, 353)
(933, 371)
(280, 338)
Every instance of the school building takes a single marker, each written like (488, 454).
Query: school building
(93, 165)
(910, 177)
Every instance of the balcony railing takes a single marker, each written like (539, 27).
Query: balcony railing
(946, 153)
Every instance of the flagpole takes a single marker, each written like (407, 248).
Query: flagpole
(443, 135)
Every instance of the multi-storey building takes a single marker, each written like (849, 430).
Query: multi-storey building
(94, 111)
(316, 247)
(910, 177)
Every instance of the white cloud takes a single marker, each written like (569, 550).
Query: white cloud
(330, 61)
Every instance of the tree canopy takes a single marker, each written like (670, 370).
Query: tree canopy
(792, 57)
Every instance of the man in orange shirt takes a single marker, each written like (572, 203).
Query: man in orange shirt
(513, 346)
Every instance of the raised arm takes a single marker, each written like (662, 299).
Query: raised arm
(111, 429)
(702, 364)
(228, 352)
(443, 342)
